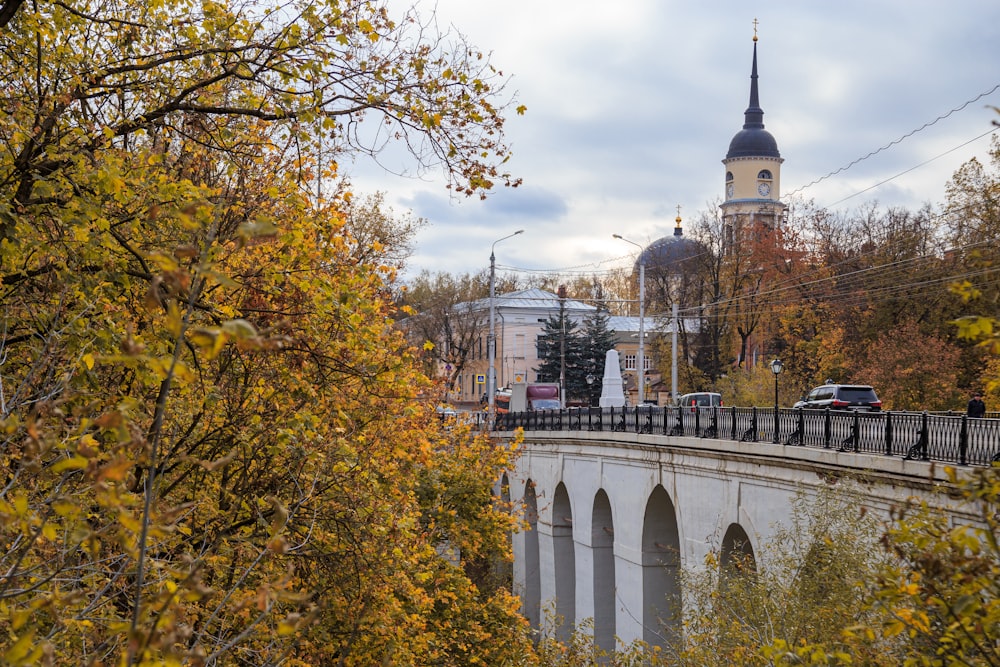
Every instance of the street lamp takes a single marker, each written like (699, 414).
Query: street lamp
(491, 342)
(776, 368)
(642, 311)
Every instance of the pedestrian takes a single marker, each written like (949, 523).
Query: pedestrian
(976, 406)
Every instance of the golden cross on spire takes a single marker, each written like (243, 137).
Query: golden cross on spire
(755, 29)
(678, 215)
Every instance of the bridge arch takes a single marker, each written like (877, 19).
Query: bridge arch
(661, 564)
(736, 554)
(564, 562)
(531, 595)
(602, 542)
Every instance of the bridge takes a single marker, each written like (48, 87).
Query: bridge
(620, 501)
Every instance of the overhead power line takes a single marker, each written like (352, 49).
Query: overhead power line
(895, 141)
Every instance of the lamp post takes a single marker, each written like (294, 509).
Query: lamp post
(673, 350)
(776, 368)
(562, 345)
(641, 359)
(590, 391)
(491, 342)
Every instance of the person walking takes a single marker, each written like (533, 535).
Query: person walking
(976, 407)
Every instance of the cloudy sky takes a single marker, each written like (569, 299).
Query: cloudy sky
(632, 104)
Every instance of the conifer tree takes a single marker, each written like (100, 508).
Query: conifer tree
(562, 343)
(598, 339)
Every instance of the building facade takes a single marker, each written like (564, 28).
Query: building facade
(752, 189)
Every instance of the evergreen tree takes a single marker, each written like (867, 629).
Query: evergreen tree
(562, 342)
(597, 340)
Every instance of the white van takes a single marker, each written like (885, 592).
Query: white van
(701, 399)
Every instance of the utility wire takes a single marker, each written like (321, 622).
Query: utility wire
(894, 142)
(902, 173)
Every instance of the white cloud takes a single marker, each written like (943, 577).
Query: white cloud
(631, 107)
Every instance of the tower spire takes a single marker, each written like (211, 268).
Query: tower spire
(754, 115)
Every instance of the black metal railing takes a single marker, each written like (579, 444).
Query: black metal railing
(942, 437)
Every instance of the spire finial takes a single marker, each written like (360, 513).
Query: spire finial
(677, 230)
(755, 28)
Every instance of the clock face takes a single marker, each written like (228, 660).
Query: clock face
(729, 190)
(764, 189)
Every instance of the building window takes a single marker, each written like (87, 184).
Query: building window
(729, 176)
(629, 362)
(764, 175)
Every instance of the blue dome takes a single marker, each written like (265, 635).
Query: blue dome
(756, 142)
(669, 254)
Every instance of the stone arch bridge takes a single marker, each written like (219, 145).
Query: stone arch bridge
(615, 515)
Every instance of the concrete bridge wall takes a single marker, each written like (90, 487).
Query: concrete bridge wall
(615, 516)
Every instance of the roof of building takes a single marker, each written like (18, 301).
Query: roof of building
(628, 324)
(753, 140)
(529, 299)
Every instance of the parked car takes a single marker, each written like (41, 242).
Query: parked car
(446, 412)
(544, 404)
(701, 399)
(841, 397)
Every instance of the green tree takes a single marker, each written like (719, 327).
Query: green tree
(561, 350)
(597, 339)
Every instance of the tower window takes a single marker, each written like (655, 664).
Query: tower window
(764, 175)
(729, 176)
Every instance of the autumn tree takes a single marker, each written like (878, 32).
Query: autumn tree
(212, 449)
(912, 370)
(974, 224)
(447, 316)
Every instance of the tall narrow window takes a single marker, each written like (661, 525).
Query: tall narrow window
(519, 345)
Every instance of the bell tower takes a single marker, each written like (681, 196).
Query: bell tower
(753, 170)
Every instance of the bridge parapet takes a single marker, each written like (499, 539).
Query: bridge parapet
(943, 438)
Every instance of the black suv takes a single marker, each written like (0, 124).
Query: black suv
(841, 397)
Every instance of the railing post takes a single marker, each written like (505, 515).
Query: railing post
(963, 441)
(888, 434)
(856, 431)
(733, 410)
(777, 427)
(802, 426)
(924, 437)
(697, 421)
(753, 424)
(827, 429)
(920, 448)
